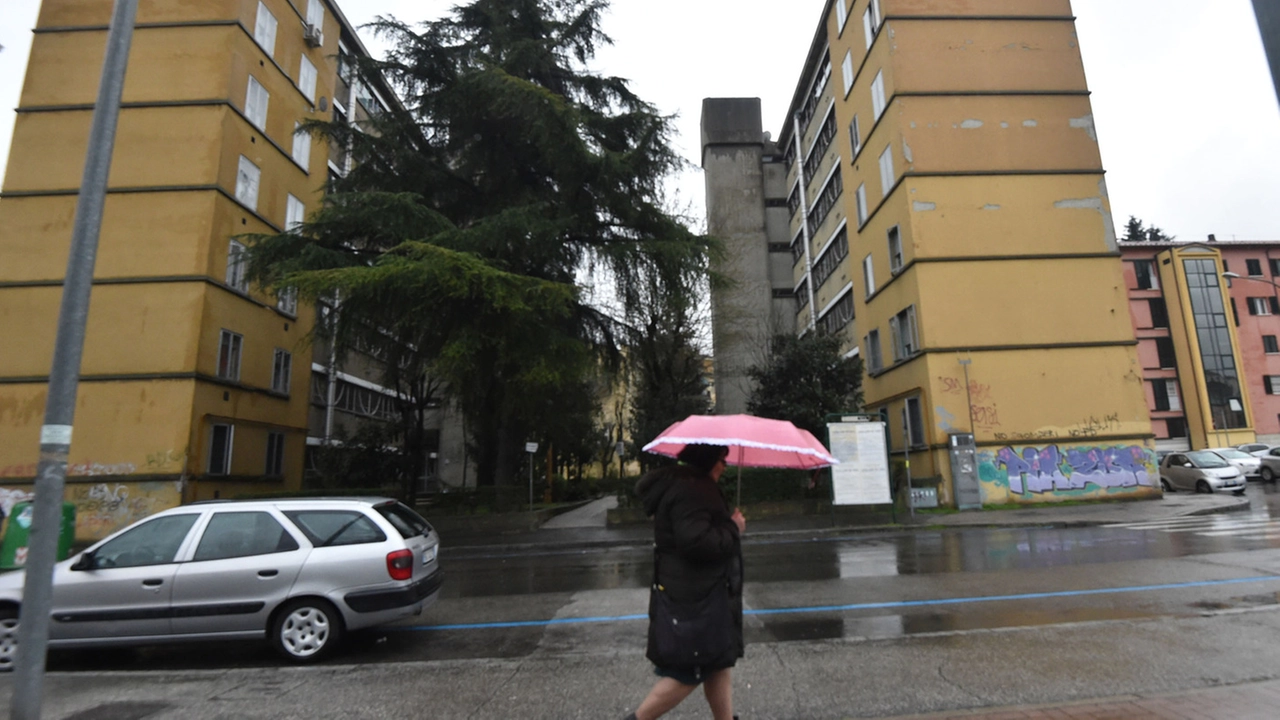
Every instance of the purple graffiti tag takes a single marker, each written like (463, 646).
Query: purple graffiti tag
(1039, 470)
(1015, 467)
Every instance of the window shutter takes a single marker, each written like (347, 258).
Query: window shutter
(1253, 307)
(1275, 305)
(1235, 313)
(1266, 383)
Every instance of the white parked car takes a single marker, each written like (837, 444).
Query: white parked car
(1254, 449)
(299, 573)
(1250, 465)
(1270, 464)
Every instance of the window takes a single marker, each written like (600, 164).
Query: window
(1269, 344)
(1217, 357)
(243, 534)
(831, 258)
(797, 248)
(1275, 266)
(256, 100)
(264, 30)
(1159, 314)
(877, 94)
(869, 274)
(229, 347)
(1272, 384)
(1145, 271)
(837, 316)
(903, 329)
(846, 69)
(895, 250)
(818, 151)
(155, 542)
(1177, 427)
(301, 147)
(1224, 266)
(862, 204)
(236, 279)
(802, 295)
(406, 522)
(307, 79)
(275, 454)
(221, 439)
(868, 27)
(1253, 267)
(1166, 395)
(336, 527)
(914, 422)
(842, 15)
(875, 359)
(315, 13)
(294, 212)
(1164, 350)
(287, 301)
(281, 369)
(247, 178)
(855, 136)
(886, 171)
(826, 200)
(1263, 306)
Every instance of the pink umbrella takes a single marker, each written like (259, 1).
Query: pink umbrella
(752, 442)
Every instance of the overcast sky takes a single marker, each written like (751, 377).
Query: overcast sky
(1186, 113)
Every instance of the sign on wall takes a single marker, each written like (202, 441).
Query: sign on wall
(862, 477)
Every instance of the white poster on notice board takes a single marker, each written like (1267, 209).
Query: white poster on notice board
(862, 477)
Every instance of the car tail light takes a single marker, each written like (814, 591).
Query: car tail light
(400, 564)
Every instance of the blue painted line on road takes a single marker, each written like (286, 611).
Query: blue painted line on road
(854, 606)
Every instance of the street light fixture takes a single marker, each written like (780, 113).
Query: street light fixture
(1237, 276)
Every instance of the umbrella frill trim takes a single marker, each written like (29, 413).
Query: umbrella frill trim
(672, 439)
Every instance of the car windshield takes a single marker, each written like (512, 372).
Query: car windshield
(1206, 459)
(1233, 454)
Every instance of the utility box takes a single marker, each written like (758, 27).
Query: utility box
(964, 472)
(17, 531)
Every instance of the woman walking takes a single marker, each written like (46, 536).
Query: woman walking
(697, 551)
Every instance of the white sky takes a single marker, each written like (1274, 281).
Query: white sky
(1186, 113)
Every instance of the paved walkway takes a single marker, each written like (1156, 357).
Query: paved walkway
(1251, 701)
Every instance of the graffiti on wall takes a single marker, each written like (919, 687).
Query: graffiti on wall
(982, 407)
(1053, 468)
(85, 469)
(103, 508)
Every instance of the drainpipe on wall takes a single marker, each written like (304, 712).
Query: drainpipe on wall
(804, 219)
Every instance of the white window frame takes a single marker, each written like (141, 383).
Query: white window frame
(301, 148)
(315, 13)
(861, 198)
(1171, 391)
(281, 370)
(846, 70)
(248, 179)
(893, 237)
(842, 15)
(855, 136)
(236, 276)
(287, 301)
(295, 212)
(1259, 306)
(307, 78)
(1272, 384)
(912, 440)
(887, 176)
(226, 451)
(905, 341)
(869, 274)
(868, 29)
(264, 29)
(256, 102)
(230, 352)
(877, 95)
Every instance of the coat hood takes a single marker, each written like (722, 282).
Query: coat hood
(654, 485)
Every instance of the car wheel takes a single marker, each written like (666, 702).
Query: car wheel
(8, 637)
(1164, 484)
(306, 630)
(1202, 486)
(1267, 474)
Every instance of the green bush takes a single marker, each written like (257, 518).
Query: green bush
(759, 485)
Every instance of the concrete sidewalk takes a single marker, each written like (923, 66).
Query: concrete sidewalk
(578, 531)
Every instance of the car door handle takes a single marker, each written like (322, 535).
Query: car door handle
(268, 573)
(153, 582)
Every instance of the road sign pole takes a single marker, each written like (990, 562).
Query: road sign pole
(64, 376)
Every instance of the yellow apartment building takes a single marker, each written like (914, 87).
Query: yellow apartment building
(936, 197)
(194, 384)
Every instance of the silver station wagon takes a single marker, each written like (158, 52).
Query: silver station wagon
(299, 573)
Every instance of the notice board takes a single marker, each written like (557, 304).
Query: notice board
(862, 477)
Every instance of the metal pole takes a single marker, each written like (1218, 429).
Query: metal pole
(967, 396)
(906, 457)
(64, 375)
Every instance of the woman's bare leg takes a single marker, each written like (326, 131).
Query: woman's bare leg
(718, 687)
(666, 694)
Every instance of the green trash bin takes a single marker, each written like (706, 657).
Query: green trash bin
(13, 548)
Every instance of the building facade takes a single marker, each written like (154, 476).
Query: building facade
(947, 216)
(195, 384)
(1195, 400)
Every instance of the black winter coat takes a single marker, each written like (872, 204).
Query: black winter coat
(696, 541)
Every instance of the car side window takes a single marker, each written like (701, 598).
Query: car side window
(155, 542)
(326, 528)
(1177, 460)
(241, 534)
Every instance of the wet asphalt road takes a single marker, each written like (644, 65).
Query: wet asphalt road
(508, 605)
